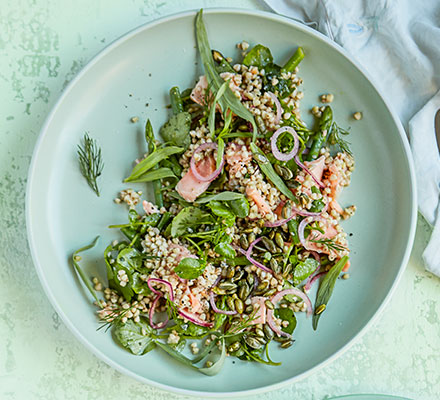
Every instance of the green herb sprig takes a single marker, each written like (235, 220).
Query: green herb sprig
(90, 161)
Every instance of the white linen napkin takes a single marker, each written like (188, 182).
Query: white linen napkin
(398, 43)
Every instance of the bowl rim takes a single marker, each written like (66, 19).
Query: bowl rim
(109, 48)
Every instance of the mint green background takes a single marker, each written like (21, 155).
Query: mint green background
(42, 46)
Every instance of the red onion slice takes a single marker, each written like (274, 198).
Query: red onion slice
(301, 228)
(295, 212)
(279, 222)
(193, 166)
(276, 298)
(311, 280)
(194, 319)
(273, 144)
(216, 309)
(162, 281)
(278, 106)
(252, 261)
(300, 164)
(151, 314)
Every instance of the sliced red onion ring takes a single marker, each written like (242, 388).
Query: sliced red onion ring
(279, 222)
(164, 282)
(300, 164)
(295, 212)
(276, 298)
(273, 144)
(216, 309)
(316, 256)
(311, 280)
(193, 166)
(251, 246)
(194, 319)
(252, 260)
(301, 228)
(278, 106)
(162, 324)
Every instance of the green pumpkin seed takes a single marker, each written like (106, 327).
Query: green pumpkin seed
(230, 272)
(250, 279)
(230, 303)
(269, 304)
(270, 292)
(278, 168)
(268, 332)
(261, 158)
(239, 306)
(259, 332)
(238, 275)
(218, 291)
(243, 128)
(253, 342)
(286, 211)
(269, 244)
(238, 353)
(281, 339)
(260, 124)
(267, 256)
(251, 237)
(227, 285)
(244, 292)
(234, 347)
(261, 339)
(271, 234)
(275, 267)
(249, 309)
(279, 240)
(262, 285)
(244, 242)
(320, 309)
(286, 344)
(287, 269)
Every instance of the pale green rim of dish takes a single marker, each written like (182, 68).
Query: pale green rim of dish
(382, 396)
(294, 379)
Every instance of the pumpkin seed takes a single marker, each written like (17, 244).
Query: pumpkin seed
(271, 234)
(244, 291)
(320, 309)
(269, 244)
(238, 353)
(234, 347)
(230, 303)
(279, 240)
(250, 279)
(230, 272)
(249, 309)
(286, 344)
(281, 339)
(227, 285)
(275, 267)
(270, 292)
(218, 291)
(248, 230)
(261, 339)
(261, 158)
(243, 128)
(267, 256)
(260, 124)
(286, 211)
(239, 306)
(253, 342)
(262, 285)
(287, 269)
(244, 243)
(238, 275)
(251, 237)
(268, 332)
(259, 332)
(269, 304)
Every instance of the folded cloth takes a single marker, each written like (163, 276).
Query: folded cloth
(396, 41)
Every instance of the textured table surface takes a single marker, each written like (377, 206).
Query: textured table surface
(43, 44)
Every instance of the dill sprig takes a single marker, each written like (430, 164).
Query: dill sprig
(90, 161)
(335, 138)
(330, 244)
(109, 320)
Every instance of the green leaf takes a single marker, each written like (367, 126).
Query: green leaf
(240, 207)
(223, 196)
(304, 269)
(130, 259)
(176, 130)
(220, 152)
(149, 137)
(286, 314)
(188, 219)
(81, 273)
(217, 365)
(150, 161)
(259, 56)
(154, 175)
(220, 209)
(139, 286)
(294, 61)
(326, 288)
(268, 170)
(225, 250)
(211, 117)
(228, 100)
(190, 268)
(130, 335)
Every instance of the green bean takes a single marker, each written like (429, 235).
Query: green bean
(294, 61)
(319, 138)
(176, 100)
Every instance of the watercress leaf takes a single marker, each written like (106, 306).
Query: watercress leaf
(317, 206)
(283, 86)
(240, 207)
(293, 229)
(190, 268)
(176, 130)
(188, 329)
(326, 288)
(130, 259)
(225, 250)
(268, 170)
(154, 175)
(286, 314)
(304, 269)
(129, 335)
(188, 218)
(152, 160)
(220, 209)
(223, 196)
(139, 286)
(259, 56)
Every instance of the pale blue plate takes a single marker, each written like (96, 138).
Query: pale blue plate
(368, 397)
(63, 213)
